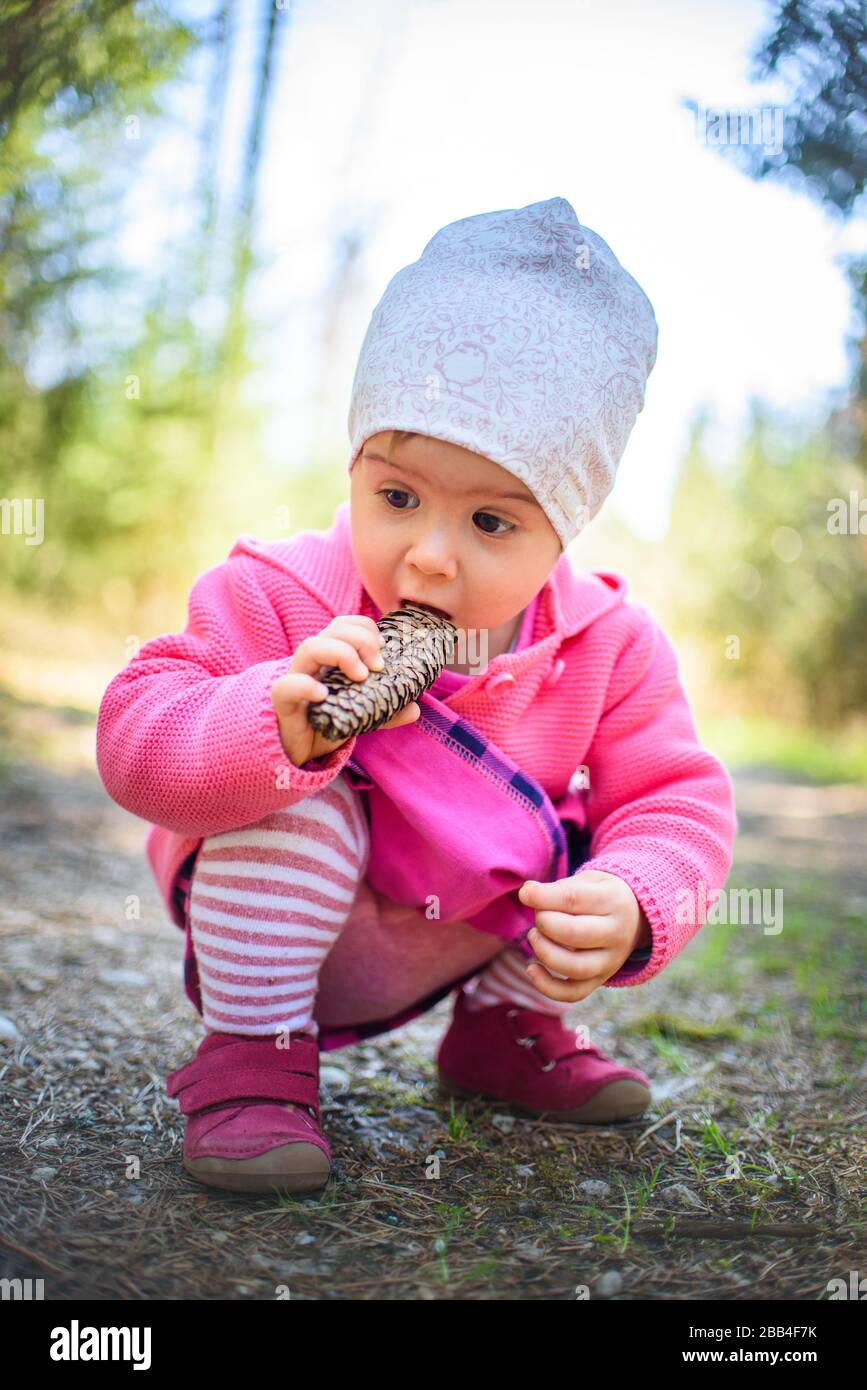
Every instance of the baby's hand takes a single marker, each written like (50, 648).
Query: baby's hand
(596, 921)
(348, 642)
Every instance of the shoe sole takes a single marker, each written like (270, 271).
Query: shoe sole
(619, 1100)
(289, 1168)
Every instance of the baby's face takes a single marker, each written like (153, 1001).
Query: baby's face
(449, 528)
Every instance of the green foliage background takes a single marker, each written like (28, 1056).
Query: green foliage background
(146, 455)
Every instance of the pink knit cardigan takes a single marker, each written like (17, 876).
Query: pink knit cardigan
(187, 737)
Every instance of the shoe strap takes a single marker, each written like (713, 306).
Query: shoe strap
(238, 1068)
(245, 1084)
(300, 1056)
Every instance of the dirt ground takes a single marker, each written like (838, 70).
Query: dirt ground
(744, 1181)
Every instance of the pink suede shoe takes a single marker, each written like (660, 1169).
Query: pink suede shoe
(530, 1060)
(237, 1136)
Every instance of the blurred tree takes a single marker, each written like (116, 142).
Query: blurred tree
(819, 47)
(776, 596)
(74, 80)
(762, 583)
(77, 82)
(130, 431)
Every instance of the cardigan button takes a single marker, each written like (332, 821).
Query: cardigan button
(498, 683)
(556, 672)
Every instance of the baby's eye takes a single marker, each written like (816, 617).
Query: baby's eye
(400, 492)
(508, 525)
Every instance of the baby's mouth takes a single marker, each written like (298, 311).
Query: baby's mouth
(431, 608)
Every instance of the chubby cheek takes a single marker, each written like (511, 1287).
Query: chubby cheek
(494, 599)
(378, 569)
(484, 616)
(371, 550)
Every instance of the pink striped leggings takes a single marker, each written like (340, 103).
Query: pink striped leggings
(288, 932)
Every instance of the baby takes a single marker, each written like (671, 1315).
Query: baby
(546, 821)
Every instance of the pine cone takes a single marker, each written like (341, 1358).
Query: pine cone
(418, 645)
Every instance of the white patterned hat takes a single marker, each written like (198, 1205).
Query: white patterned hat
(519, 335)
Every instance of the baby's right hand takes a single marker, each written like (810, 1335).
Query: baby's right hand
(347, 642)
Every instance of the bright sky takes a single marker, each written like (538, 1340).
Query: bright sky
(403, 115)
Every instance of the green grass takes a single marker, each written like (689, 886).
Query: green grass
(619, 1233)
(675, 1027)
(458, 1121)
(821, 951)
(819, 755)
(441, 1244)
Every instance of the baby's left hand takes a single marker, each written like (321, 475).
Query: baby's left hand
(586, 926)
